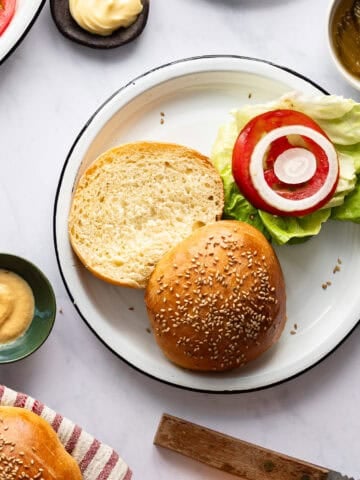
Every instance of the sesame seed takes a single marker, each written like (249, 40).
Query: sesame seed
(219, 312)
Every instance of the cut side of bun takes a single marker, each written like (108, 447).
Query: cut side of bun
(137, 201)
(217, 300)
(30, 449)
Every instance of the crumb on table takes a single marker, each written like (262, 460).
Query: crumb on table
(336, 269)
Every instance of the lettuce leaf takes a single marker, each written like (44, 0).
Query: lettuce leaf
(350, 209)
(294, 229)
(352, 151)
(236, 205)
(340, 119)
(347, 180)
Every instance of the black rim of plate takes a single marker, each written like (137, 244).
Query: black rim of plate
(25, 32)
(183, 387)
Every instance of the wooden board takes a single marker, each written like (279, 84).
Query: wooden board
(245, 460)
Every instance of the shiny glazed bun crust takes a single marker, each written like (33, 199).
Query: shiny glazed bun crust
(31, 450)
(217, 300)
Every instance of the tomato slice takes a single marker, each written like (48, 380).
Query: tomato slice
(307, 196)
(7, 10)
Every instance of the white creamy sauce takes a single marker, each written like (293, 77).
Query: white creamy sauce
(103, 17)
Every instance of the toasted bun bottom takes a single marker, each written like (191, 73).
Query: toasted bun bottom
(217, 300)
(137, 201)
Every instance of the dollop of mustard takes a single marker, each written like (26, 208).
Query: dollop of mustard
(103, 17)
(16, 306)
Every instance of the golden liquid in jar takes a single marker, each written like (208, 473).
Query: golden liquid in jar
(345, 32)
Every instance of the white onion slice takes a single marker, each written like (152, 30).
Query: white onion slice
(295, 165)
(265, 191)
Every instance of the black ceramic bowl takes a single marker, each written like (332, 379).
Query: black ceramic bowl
(70, 29)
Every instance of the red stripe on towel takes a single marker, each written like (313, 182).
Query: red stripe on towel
(90, 454)
(57, 422)
(128, 475)
(2, 391)
(71, 444)
(20, 400)
(38, 407)
(104, 474)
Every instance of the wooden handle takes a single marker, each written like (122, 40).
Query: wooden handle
(245, 460)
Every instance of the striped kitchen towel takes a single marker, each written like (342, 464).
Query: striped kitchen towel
(96, 460)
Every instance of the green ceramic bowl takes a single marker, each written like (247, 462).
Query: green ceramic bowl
(44, 314)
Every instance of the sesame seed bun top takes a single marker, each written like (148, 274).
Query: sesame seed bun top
(217, 300)
(31, 450)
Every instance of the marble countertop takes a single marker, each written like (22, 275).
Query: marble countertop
(49, 87)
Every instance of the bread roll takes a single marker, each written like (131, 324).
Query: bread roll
(217, 299)
(137, 201)
(31, 450)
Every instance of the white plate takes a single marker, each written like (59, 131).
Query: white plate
(196, 95)
(25, 15)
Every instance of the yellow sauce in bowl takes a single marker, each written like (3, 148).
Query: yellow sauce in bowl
(16, 306)
(103, 17)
